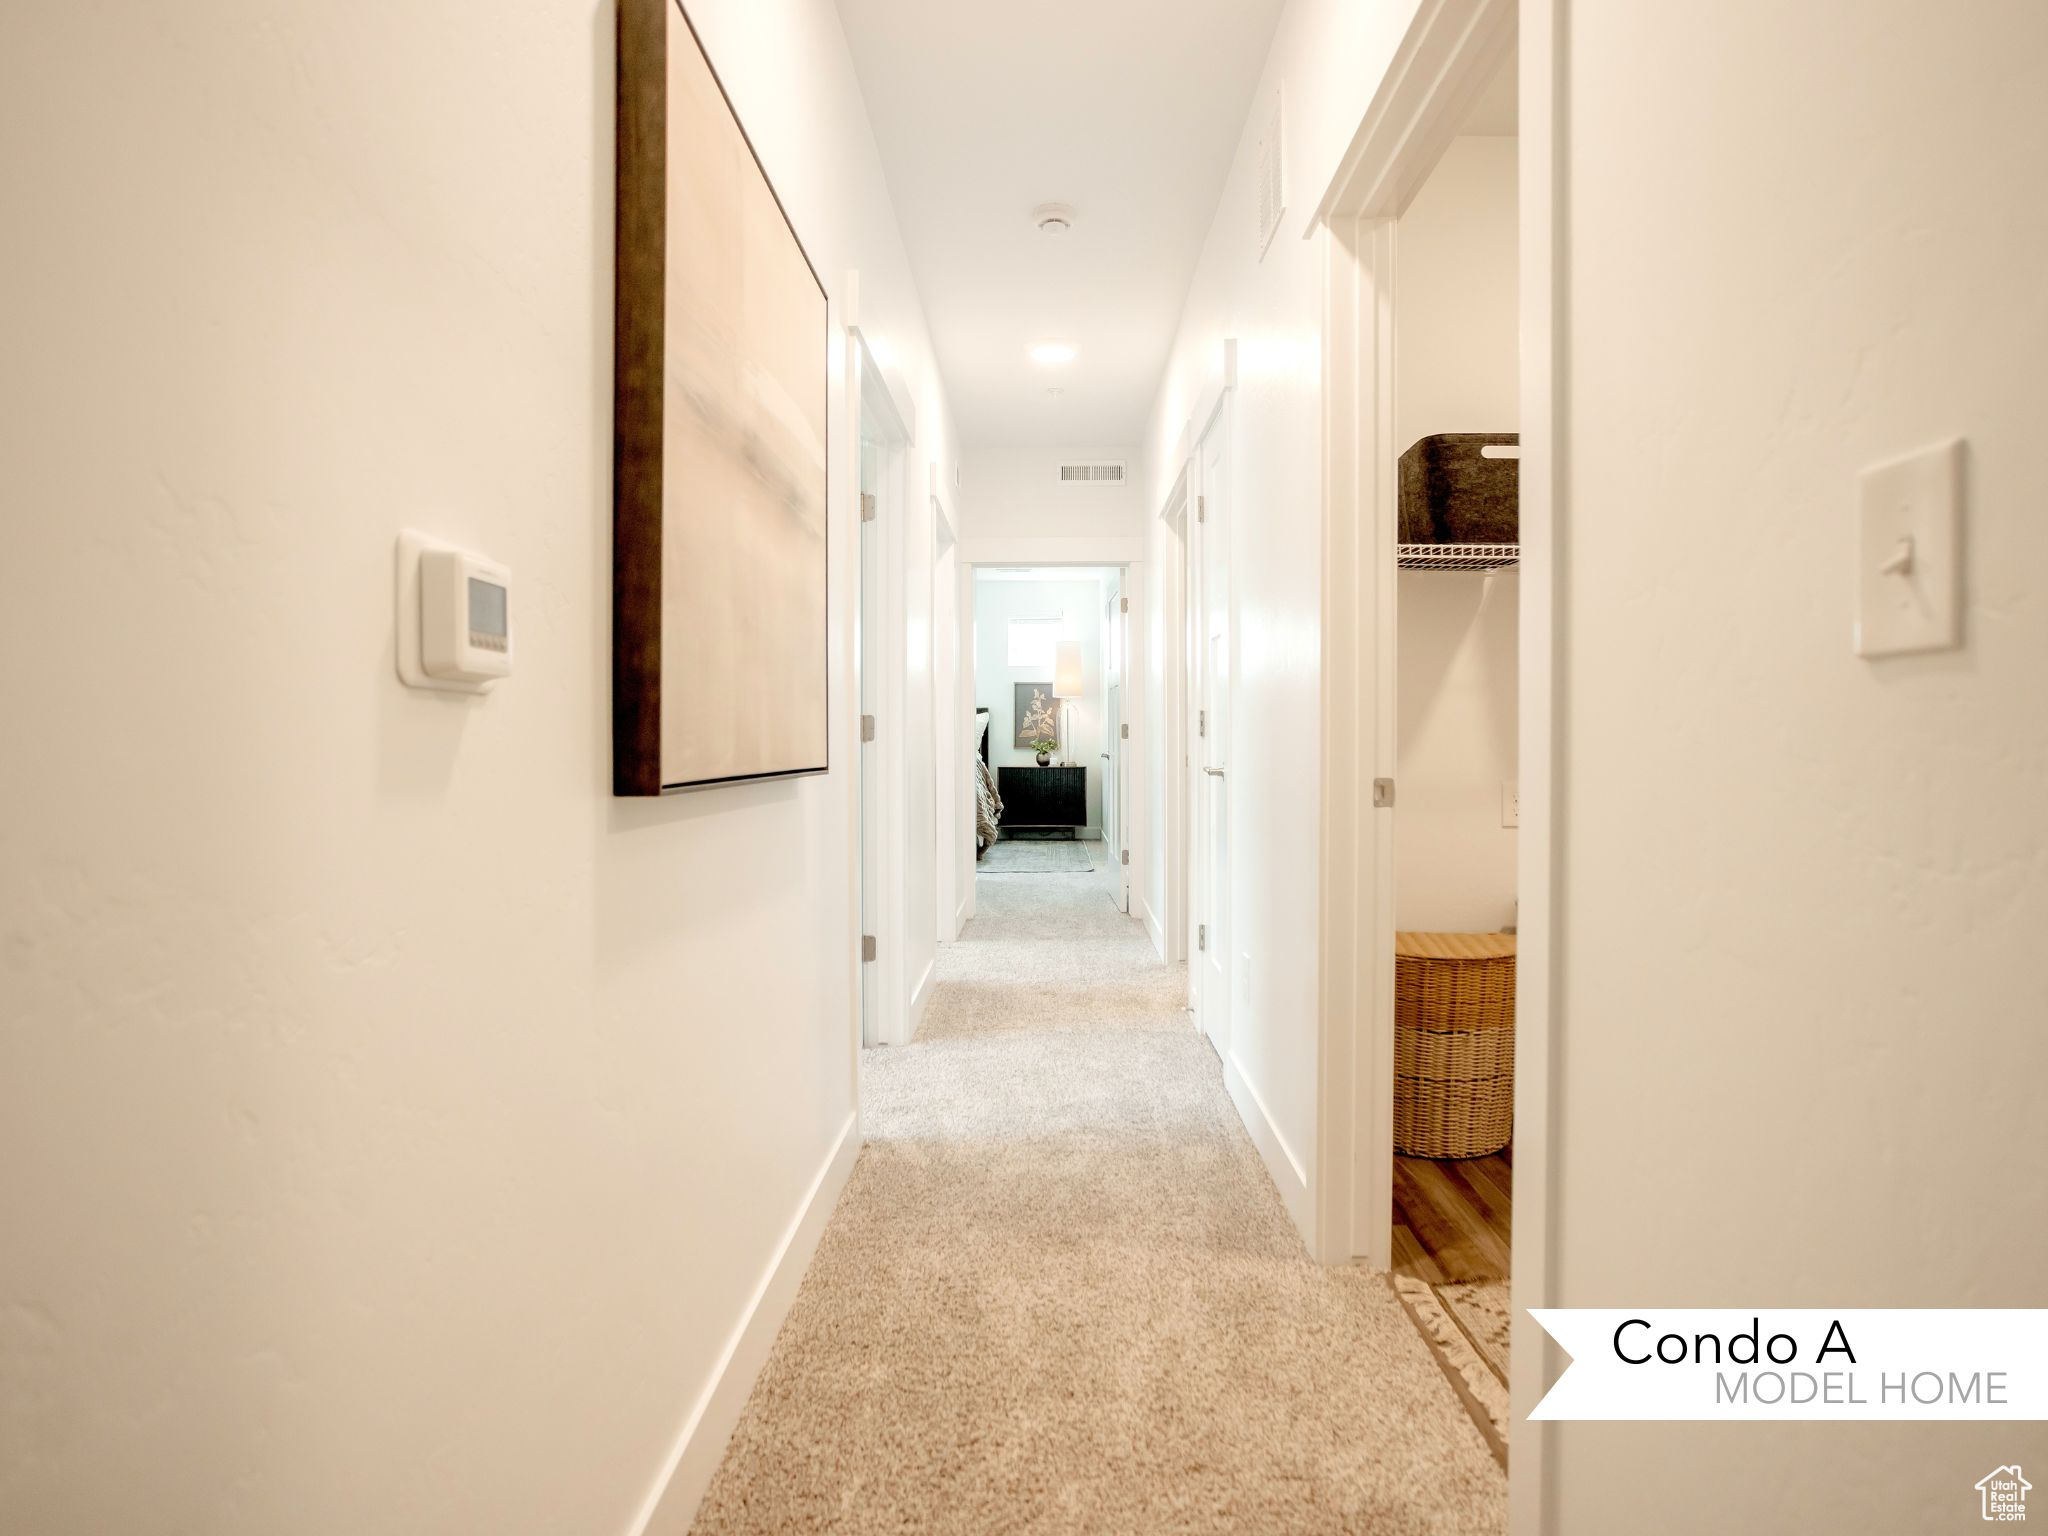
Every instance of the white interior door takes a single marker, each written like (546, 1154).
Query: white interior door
(1119, 731)
(1213, 657)
(868, 651)
(1112, 829)
(951, 775)
(1115, 841)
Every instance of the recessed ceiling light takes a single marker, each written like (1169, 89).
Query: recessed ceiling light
(1052, 353)
(1053, 218)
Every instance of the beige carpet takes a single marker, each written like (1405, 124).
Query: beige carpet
(1035, 856)
(1060, 1293)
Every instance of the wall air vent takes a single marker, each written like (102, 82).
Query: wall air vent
(1092, 474)
(1271, 189)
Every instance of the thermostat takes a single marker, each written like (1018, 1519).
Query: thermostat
(454, 617)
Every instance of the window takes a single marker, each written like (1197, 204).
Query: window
(1034, 644)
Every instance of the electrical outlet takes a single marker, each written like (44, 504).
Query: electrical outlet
(1510, 804)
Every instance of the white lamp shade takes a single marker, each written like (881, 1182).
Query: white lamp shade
(1067, 673)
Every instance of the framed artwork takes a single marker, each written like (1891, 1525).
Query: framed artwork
(719, 661)
(1036, 714)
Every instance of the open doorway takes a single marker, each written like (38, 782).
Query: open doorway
(1442, 674)
(1437, 686)
(1211, 668)
(1456, 811)
(882, 440)
(1050, 693)
(947, 667)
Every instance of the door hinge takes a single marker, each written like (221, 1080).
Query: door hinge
(867, 506)
(1123, 605)
(867, 727)
(1202, 722)
(867, 947)
(1201, 509)
(1201, 936)
(1382, 793)
(1124, 857)
(1123, 733)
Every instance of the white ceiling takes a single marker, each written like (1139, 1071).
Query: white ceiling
(1128, 110)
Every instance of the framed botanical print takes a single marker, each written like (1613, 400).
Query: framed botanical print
(1036, 716)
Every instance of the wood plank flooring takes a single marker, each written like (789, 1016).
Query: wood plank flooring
(1451, 1218)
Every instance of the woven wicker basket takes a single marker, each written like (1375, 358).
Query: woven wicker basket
(1454, 1043)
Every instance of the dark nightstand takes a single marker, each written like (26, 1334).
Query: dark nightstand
(1043, 798)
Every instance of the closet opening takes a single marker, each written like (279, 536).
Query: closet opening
(1456, 811)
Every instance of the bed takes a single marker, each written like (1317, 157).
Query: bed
(988, 805)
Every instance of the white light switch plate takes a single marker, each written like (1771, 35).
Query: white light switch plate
(1908, 559)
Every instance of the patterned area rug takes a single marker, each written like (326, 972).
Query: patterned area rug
(1482, 1310)
(1468, 1326)
(1031, 857)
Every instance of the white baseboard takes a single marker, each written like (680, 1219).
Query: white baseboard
(677, 1492)
(966, 911)
(1288, 1174)
(1153, 926)
(920, 995)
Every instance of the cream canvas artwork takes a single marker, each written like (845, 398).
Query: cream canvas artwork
(720, 530)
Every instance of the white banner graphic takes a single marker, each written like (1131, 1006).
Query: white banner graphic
(1665, 1363)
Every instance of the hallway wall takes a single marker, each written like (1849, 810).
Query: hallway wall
(1803, 890)
(1015, 498)
(1329, 56)
(395, 1130)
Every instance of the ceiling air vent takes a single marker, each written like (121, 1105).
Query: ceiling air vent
(1091, 474)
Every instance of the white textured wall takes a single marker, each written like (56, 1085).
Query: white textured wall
(1014, 494)
(1457, 340)
(1457, 313)
(393, 1126)
(1804, 1026)
(1329, 55)
(1454, 863)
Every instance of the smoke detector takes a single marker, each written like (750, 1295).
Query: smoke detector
(1053, 218)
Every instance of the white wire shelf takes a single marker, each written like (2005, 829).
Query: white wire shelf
(1458, 557)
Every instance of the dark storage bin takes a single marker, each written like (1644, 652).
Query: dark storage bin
(1451, 493)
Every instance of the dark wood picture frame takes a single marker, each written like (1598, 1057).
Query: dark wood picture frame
(1021, 695)
(640, 688)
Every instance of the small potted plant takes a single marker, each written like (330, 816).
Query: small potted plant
(1044, 746)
